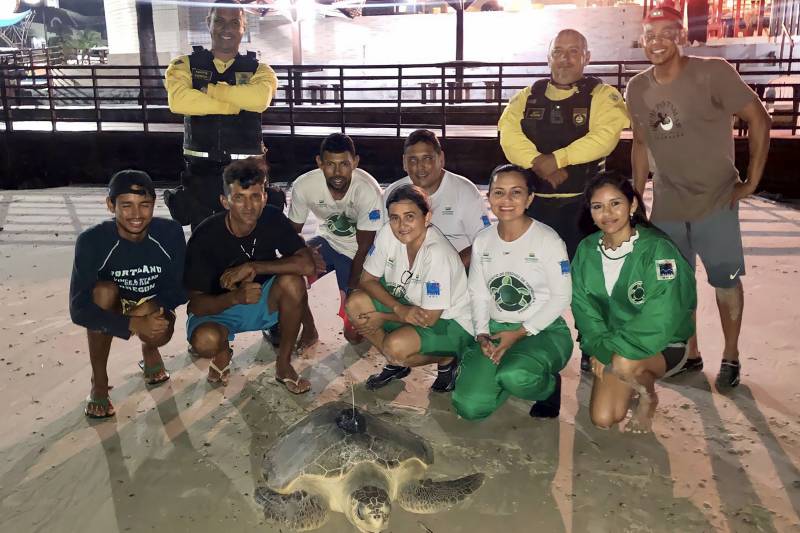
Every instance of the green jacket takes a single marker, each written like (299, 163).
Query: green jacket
(650, 306)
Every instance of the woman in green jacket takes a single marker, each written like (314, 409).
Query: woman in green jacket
(633, 296)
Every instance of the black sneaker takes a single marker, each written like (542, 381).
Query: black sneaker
(551, 407)
(693, 364)
(728, 376)
(586, 362)
(386, 376)
(446, 377)
(273, 335)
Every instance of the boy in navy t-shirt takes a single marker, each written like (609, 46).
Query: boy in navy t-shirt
(127, 280)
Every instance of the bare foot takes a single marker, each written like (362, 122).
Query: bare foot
(641, 420)
(307, 340)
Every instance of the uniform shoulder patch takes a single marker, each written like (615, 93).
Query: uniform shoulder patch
(614, 96)
(432, 288)
(665, 269)
(375, 214)
(564, 267)
(177, 61)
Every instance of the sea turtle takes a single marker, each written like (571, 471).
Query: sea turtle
(341, 459)
(340, 225)
(510, 293)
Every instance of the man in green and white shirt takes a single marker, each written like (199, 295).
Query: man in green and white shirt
(458, 207)
(347, 203)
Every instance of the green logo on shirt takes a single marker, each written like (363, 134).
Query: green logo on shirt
(636, 293)
(341, 226)
(510, 292)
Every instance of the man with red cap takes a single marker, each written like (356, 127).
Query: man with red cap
(681, 112)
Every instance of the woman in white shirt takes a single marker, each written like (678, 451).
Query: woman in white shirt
(413, 302)
(519, 283)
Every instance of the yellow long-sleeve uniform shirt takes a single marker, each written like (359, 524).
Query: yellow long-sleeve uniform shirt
(220, 98)
(607, 118)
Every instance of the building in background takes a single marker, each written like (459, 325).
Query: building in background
(506, 30)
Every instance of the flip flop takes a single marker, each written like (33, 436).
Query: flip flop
(150, 373)
(104, 403)
(296, 382)
(223, 378)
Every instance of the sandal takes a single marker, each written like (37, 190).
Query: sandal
(151, 373)
(223, 373)
(103, 403)
(295, 382)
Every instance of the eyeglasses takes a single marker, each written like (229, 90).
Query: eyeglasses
(399, 291)
(669, 34)
(558, 53)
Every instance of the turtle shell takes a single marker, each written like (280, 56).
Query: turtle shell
(317, 446)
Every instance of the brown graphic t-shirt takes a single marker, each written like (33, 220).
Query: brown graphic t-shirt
(687, 126)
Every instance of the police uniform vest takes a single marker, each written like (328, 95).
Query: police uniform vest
(552, 125)
(222, 137)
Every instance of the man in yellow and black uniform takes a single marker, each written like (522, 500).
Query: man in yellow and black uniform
(563, 128)
(221, 95)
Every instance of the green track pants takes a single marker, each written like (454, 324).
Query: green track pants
(527, 370)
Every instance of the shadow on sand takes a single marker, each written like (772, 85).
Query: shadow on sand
(623, 482)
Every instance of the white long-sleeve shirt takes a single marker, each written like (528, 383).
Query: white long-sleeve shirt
(525, 281)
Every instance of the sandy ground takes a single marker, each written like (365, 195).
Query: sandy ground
(186, 456)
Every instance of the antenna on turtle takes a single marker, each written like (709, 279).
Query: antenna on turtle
(350, 420)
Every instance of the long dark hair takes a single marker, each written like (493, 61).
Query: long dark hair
(623, 184)
(412, 193)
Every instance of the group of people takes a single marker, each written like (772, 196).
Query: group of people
(423, 275)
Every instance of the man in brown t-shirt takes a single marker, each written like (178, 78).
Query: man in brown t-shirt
(681, 111)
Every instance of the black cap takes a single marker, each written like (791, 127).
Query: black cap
(124, 181)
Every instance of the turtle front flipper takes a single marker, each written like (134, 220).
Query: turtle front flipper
(299, 510)
(428, 496)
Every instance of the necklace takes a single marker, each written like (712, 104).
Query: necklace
(252, 249)
(602, 247)
(602, 251)
(241, 246)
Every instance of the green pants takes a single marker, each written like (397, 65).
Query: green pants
(527, 370)
(446, 338)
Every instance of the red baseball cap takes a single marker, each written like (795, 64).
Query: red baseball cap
(664, 13)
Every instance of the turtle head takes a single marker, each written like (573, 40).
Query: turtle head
(369, 509)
